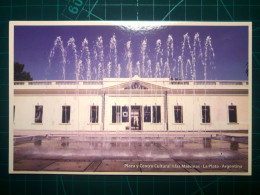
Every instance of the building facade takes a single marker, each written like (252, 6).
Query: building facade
(131, 104)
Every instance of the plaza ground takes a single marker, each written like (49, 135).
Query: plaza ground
(131, 152)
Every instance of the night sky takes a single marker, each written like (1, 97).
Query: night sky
(33, 44)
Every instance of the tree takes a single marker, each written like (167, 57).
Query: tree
(20, 74)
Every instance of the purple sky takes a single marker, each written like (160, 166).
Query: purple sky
(33, 45)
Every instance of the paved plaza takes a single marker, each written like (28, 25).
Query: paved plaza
(137, 153)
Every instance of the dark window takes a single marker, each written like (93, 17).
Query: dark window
(94, 114)
(147, 114)
(65, 114)
(13, 113)
(232, 114)
(205, 114)
(115, 114)
(156, 114)
(125, 114)
(178, 114)
(38, 114)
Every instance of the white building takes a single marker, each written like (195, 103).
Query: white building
(123, 104)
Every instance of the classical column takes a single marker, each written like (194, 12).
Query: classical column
(103, 111)
(166, 110)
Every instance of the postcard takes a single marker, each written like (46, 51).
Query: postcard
(130, 98)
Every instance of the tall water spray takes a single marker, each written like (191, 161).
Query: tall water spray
(138, 69)
(169, 59)
(57, 60)
(158, 59)
(186, 55)
(72, 60)
(197, 54)
(69, 64)
(166, 69)
(188, 69)
(157, 73)
(118, 72)
(113, 56)
(129, 63)
(180, 68)
(208, 57)
(149, 69)
(109, 67)
(85, 61)
(143, 57)
(99, 58)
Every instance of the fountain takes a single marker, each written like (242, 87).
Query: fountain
(85, 62)
(149, 68)
(57, 60)
(158, 59)
(138, 69)
(208, 57)
(100, 62)
(128, 55)
(113, 57)
(143, 57)
(71, 60)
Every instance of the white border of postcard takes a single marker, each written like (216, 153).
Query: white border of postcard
(12, 24)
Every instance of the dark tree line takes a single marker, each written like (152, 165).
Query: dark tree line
(20, 74)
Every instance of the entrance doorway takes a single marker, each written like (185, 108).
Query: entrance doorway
(136, 120)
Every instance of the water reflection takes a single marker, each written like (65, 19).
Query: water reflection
(133, 148)
(179, 143)
(38, 142)
(234, 145)
(207, 142)
(64, 141)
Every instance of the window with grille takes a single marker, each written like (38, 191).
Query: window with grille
(93, 114)
(205, 114)
(38, 114)
(232, 110)
(115, 114)
(156, 114)
(65, 114)
(147, 114)
(178, 114)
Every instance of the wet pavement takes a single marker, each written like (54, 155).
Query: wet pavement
(131, 154)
